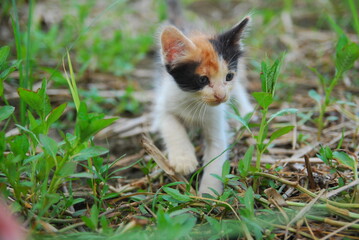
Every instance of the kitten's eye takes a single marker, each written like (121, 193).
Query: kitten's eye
(203, 80)
(229, 76)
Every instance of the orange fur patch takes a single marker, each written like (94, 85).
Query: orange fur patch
(204, 53)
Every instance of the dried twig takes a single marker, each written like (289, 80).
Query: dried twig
(336, 191)
(303, 211)
(162, 162)
(309, 171)
(339, 230)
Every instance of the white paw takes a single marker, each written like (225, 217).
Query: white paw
(183, 162)
(208, 183)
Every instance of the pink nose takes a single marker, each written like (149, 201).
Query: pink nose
(219, 97)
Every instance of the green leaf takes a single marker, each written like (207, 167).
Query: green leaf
(28, 131)
(72, 83)
(90, 153)
(351, 104)
(83, 175)
(26, 184)
(20, 145)
(264, 99)
(4, 53)
(269, 75)
(184, 210)
(226, 168)
(1, 88)
(176, 194)
(67, 169)
(35, 101)
(33, 123)
(325, 154)
(95, 126)
(88, 124)
(314, 95)
(346, 55)
(282, 112)
(342, 42)
(55, 75)
(88, 222)
(94, 214)
(49, 144)
(6, 112)
(5, 73)
(264, 77)
(33, 159)
(280, 132)
(249, 200)
(245, 163)
(241, 120)
(92, 221)
(55, 114)
(344, 159)
(2, 146)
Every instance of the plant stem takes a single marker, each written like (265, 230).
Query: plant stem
(355, 16)
(306, 191)
(28, 82)
(326, 102)
(331, 221)
(285, 227)
(17, 36)
(320, 123)
(260, 139)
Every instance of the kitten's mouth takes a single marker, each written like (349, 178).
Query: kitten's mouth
(215, 102)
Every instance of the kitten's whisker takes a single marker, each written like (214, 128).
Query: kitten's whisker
(201, 113)
(197, 112)
(191, 106)
(204, 113)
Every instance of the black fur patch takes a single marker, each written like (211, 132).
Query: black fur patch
(229, 52)
(227, 44)
(185, 76)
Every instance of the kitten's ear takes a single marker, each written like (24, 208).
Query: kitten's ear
(174, 44)
(234, 35)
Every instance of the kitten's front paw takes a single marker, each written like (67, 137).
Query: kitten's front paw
(183, 163)
(207, 184)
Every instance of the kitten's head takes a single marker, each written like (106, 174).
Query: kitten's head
(201, 64)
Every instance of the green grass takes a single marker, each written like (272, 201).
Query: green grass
(42, 167)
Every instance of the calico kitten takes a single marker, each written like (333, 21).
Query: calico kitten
(201, 74)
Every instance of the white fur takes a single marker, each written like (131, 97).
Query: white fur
(176, 110)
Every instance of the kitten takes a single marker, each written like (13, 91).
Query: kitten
(201, 73)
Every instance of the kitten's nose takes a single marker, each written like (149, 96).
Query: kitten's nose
(219, 97)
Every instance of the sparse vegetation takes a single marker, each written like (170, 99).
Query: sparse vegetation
(74, 101)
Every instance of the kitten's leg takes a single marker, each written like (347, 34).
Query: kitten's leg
(181, 153)
(215, 134)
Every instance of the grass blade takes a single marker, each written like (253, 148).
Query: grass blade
(72, 83)
(355, 15)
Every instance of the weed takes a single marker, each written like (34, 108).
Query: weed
(269, 76)
(37, 164)
(346, 54)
